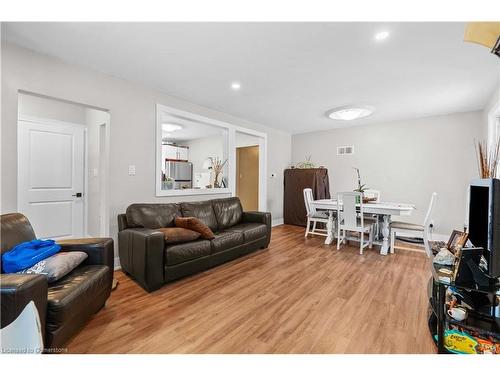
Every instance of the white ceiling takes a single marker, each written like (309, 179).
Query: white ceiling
(291, 73)
(190, 129)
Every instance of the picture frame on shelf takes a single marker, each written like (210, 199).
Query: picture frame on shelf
(457, 241)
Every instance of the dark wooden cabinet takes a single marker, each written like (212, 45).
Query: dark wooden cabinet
(295, 181)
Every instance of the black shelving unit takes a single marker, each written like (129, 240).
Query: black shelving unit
(484, 319)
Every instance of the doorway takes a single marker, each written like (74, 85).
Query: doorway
(62, 164)
(247, 177)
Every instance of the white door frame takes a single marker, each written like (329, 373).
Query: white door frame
(103, 179)
(103, 192)
(262, 164)
(493, 125)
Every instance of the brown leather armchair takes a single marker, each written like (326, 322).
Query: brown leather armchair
(65, 305)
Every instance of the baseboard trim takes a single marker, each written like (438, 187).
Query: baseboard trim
(117, 264)
(276, 222)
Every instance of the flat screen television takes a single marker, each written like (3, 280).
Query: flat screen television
(484, 221)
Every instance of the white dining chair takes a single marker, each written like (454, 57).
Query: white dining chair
(372, 193)
(23, 335)
(314, 216)
(400, 228)
(351, 221)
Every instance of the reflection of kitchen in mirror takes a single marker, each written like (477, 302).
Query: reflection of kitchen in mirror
(193, 154)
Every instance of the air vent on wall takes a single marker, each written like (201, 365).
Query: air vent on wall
(345, 150)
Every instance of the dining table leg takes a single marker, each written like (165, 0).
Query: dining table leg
(385, 232)
(329, 229)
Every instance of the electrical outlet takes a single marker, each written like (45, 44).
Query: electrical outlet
(131, 170)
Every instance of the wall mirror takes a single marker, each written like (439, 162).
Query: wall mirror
(200, 155)
(192, 154)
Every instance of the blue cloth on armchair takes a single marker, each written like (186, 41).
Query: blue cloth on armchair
(27, 254)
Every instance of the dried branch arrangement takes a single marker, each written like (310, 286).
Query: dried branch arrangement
(488, 159)
(217, 168)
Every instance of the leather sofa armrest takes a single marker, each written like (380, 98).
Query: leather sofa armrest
(100, 251)
(17, 290)
(142, 256)
(259, 217)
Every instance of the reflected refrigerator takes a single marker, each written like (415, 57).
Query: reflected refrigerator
(181, 172)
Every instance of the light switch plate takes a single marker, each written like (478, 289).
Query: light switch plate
(131, 170)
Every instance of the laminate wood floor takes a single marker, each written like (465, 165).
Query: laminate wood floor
(298, 296)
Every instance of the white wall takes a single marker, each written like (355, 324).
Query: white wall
(202, 148)
(246, 140)
(132, 127)
(406, 160)
(37, 106)
(489, 127)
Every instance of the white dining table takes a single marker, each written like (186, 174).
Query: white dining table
(384, 209)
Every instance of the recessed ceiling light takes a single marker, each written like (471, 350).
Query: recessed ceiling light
(349, 113)
(169, 127)
(382, 35)
(236, 86)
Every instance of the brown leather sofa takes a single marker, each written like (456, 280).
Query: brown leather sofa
(63, 306)
(145, 256)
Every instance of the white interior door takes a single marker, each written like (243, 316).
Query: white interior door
(51, 159)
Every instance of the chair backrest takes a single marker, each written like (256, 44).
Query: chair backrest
(428, 215)
(349, 212)
(370, 193)
(308, 198)
(14, 229)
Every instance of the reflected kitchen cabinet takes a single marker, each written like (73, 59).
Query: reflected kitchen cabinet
(175, 152)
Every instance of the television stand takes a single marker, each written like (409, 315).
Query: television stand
(483, 318)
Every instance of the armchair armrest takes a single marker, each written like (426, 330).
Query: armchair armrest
(17, 290)
(142, 255)
(100, 251)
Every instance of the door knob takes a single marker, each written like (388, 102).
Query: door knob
(78, 195)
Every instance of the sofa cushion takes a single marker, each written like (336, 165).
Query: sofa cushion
(183, 252)
(71, 295)
(226, 240)
(251, 231)
(201, 210)
(152, 215)
(177, 235)
(228, 211)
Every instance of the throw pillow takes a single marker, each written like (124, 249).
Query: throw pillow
(176, 235)
(195, 224)
(58, 265)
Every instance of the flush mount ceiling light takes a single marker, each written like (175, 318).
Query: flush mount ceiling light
(236, 86)
(349, 113)
(381, 35)
(170, 127)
